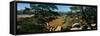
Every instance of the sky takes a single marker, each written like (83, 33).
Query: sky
(62, 8)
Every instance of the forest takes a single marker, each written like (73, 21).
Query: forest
(44, 18)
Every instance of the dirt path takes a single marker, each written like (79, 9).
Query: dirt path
(57, 22)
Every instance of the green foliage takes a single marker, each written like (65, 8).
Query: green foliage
(30, 25)
(75, 7)
(36, 23)
(44, 12)
(43, 7)
(88, 16)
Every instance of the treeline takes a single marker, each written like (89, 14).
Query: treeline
(44, 13)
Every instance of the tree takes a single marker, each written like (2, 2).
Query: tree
(44, 9)
(26, 11)
(88, 13)
(75, 7)
(36, 23)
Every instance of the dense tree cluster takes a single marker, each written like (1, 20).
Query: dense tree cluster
(44, 13)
